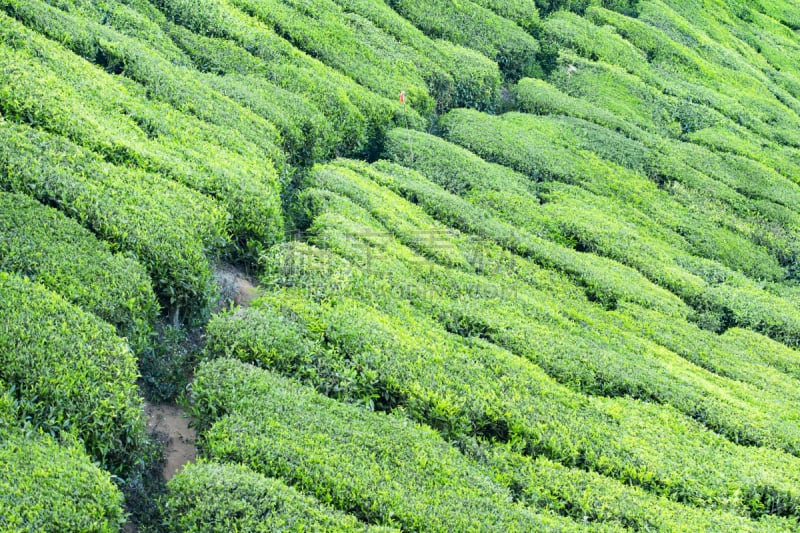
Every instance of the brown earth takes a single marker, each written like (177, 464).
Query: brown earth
(171, 424)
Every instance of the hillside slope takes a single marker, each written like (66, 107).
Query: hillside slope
(523, 265)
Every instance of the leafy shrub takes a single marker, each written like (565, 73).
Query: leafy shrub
(593, 498)
(523, 12)
(52, 488)
(65, 95)
(219, 497)
(171, 230)
(349, 43)
(382, 468)
(360, 114)
(259, 336)
(468, 24)
(70, 373)
(308, 136)
(605, 360)
(739, 354)
(166, 366)
(44, 245)
(471, 80)
(742, 94)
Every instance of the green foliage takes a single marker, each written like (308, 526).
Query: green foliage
(211, 497)
(53, 488)
(164, 82)
(454, 168)
(604, 360)
(542, 98)
(738, 354)
(435, 378)
(351, 44)
(471, 25)
(166, 366)
(469, 387)
(194, 145)
(384, 469)
(596, 302)
(70, 373)
(476, 79)
(171, 230)
(590, 497)
(307, 135)
(742, 94)
(523, 12)
(44, 245)
(358, 113)
(660, 225)
(259, 336)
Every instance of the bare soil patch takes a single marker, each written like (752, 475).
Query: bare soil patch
(170, 424)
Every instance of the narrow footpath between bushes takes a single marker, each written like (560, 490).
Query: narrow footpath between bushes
(170, 424)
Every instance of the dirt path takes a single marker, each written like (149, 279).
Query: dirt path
(171, 425)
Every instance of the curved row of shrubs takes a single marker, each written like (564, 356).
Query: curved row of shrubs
(51, 487)
(543, 484)
(164, 82)
(382, 468)
(756, 194)
(213, 497)
(350, 44)
(171, 230)
(70, 373)
(43, 244)
(55, 90)
(603, 358)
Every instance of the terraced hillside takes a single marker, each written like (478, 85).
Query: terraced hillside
(527, 265)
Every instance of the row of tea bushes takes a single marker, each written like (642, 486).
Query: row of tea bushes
(731, 179)
(172, 231)
(744, 95)
(70, 373)
(51, 487)
(738, 354)
(212, 497)
(540, 147)
(739, 243)
(359, 114)
(55, 251)
(524, 12)
(469, 24)
(64, 94)
(543, 484)
(382, 468)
